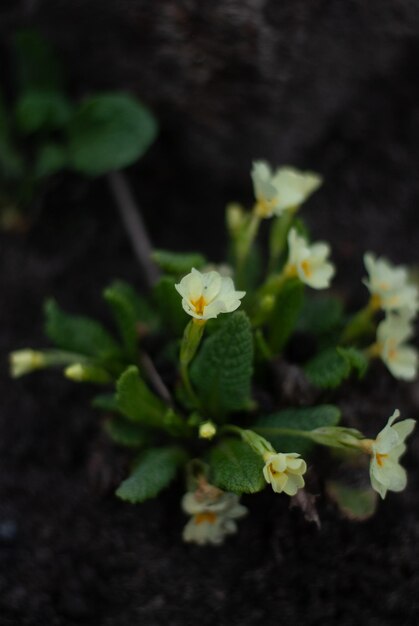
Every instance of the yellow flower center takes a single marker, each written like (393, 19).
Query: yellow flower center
(264, 207)
(375, 302)
(199, 305)
(307, 269)
(380, 458)
(208, 517)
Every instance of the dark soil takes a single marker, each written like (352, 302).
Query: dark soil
(70, 552)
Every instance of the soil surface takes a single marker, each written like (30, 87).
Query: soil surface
(70, 552)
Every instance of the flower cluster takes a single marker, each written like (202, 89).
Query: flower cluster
(201, 413)
(391, 291)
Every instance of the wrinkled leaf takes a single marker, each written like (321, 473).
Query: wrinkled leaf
(221, 373)
(236, 468)
(155, 470)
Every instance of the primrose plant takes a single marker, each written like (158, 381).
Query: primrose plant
(199, 376)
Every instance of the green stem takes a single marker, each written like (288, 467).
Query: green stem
(242, 247)
(361, 324)
(190, 343)
(278, 237)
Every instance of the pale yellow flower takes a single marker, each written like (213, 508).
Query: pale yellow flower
(386, 473)
(389, 286)
(25, 361)
(206, 295)
(281, 190)
(207, 430)
(213, 516)
(284, 472)
(392, 335)
(309, 262)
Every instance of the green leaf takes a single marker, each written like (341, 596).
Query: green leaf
(105, 402)
(125, 433)
(125, 317)
(144, 313)
(155, 470)
(222, 371)
(356, 359)
(109, 132)
(306, 418)
(38, 67)
(36, 110)
(355, 502)
(235, 467)
(178, 262)
(137, 402)
(50, 159)
(321, 315)
(169, 305)
(328, 369)
(78, 334)
(284, 316)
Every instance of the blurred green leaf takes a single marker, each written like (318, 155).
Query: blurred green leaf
(304, 418)
(78, 334)
(51, 159)
(320, 315)
(178, 262)
(36, 110)
(355, 502)
(125, 433)
(109, 132)
(284, 316)
(169, 305)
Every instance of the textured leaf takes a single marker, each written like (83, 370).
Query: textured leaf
(178, 262)
(169, 305)
(355, 502)
(78, 334)
(284, 316)
(306, 418)
(108, 132)
(328, 369)
(156, 469)
(235, 467)
(144, 313)
(321, 315)
(125, 433)
(356, 359)
(137, 402)
(221, 373)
